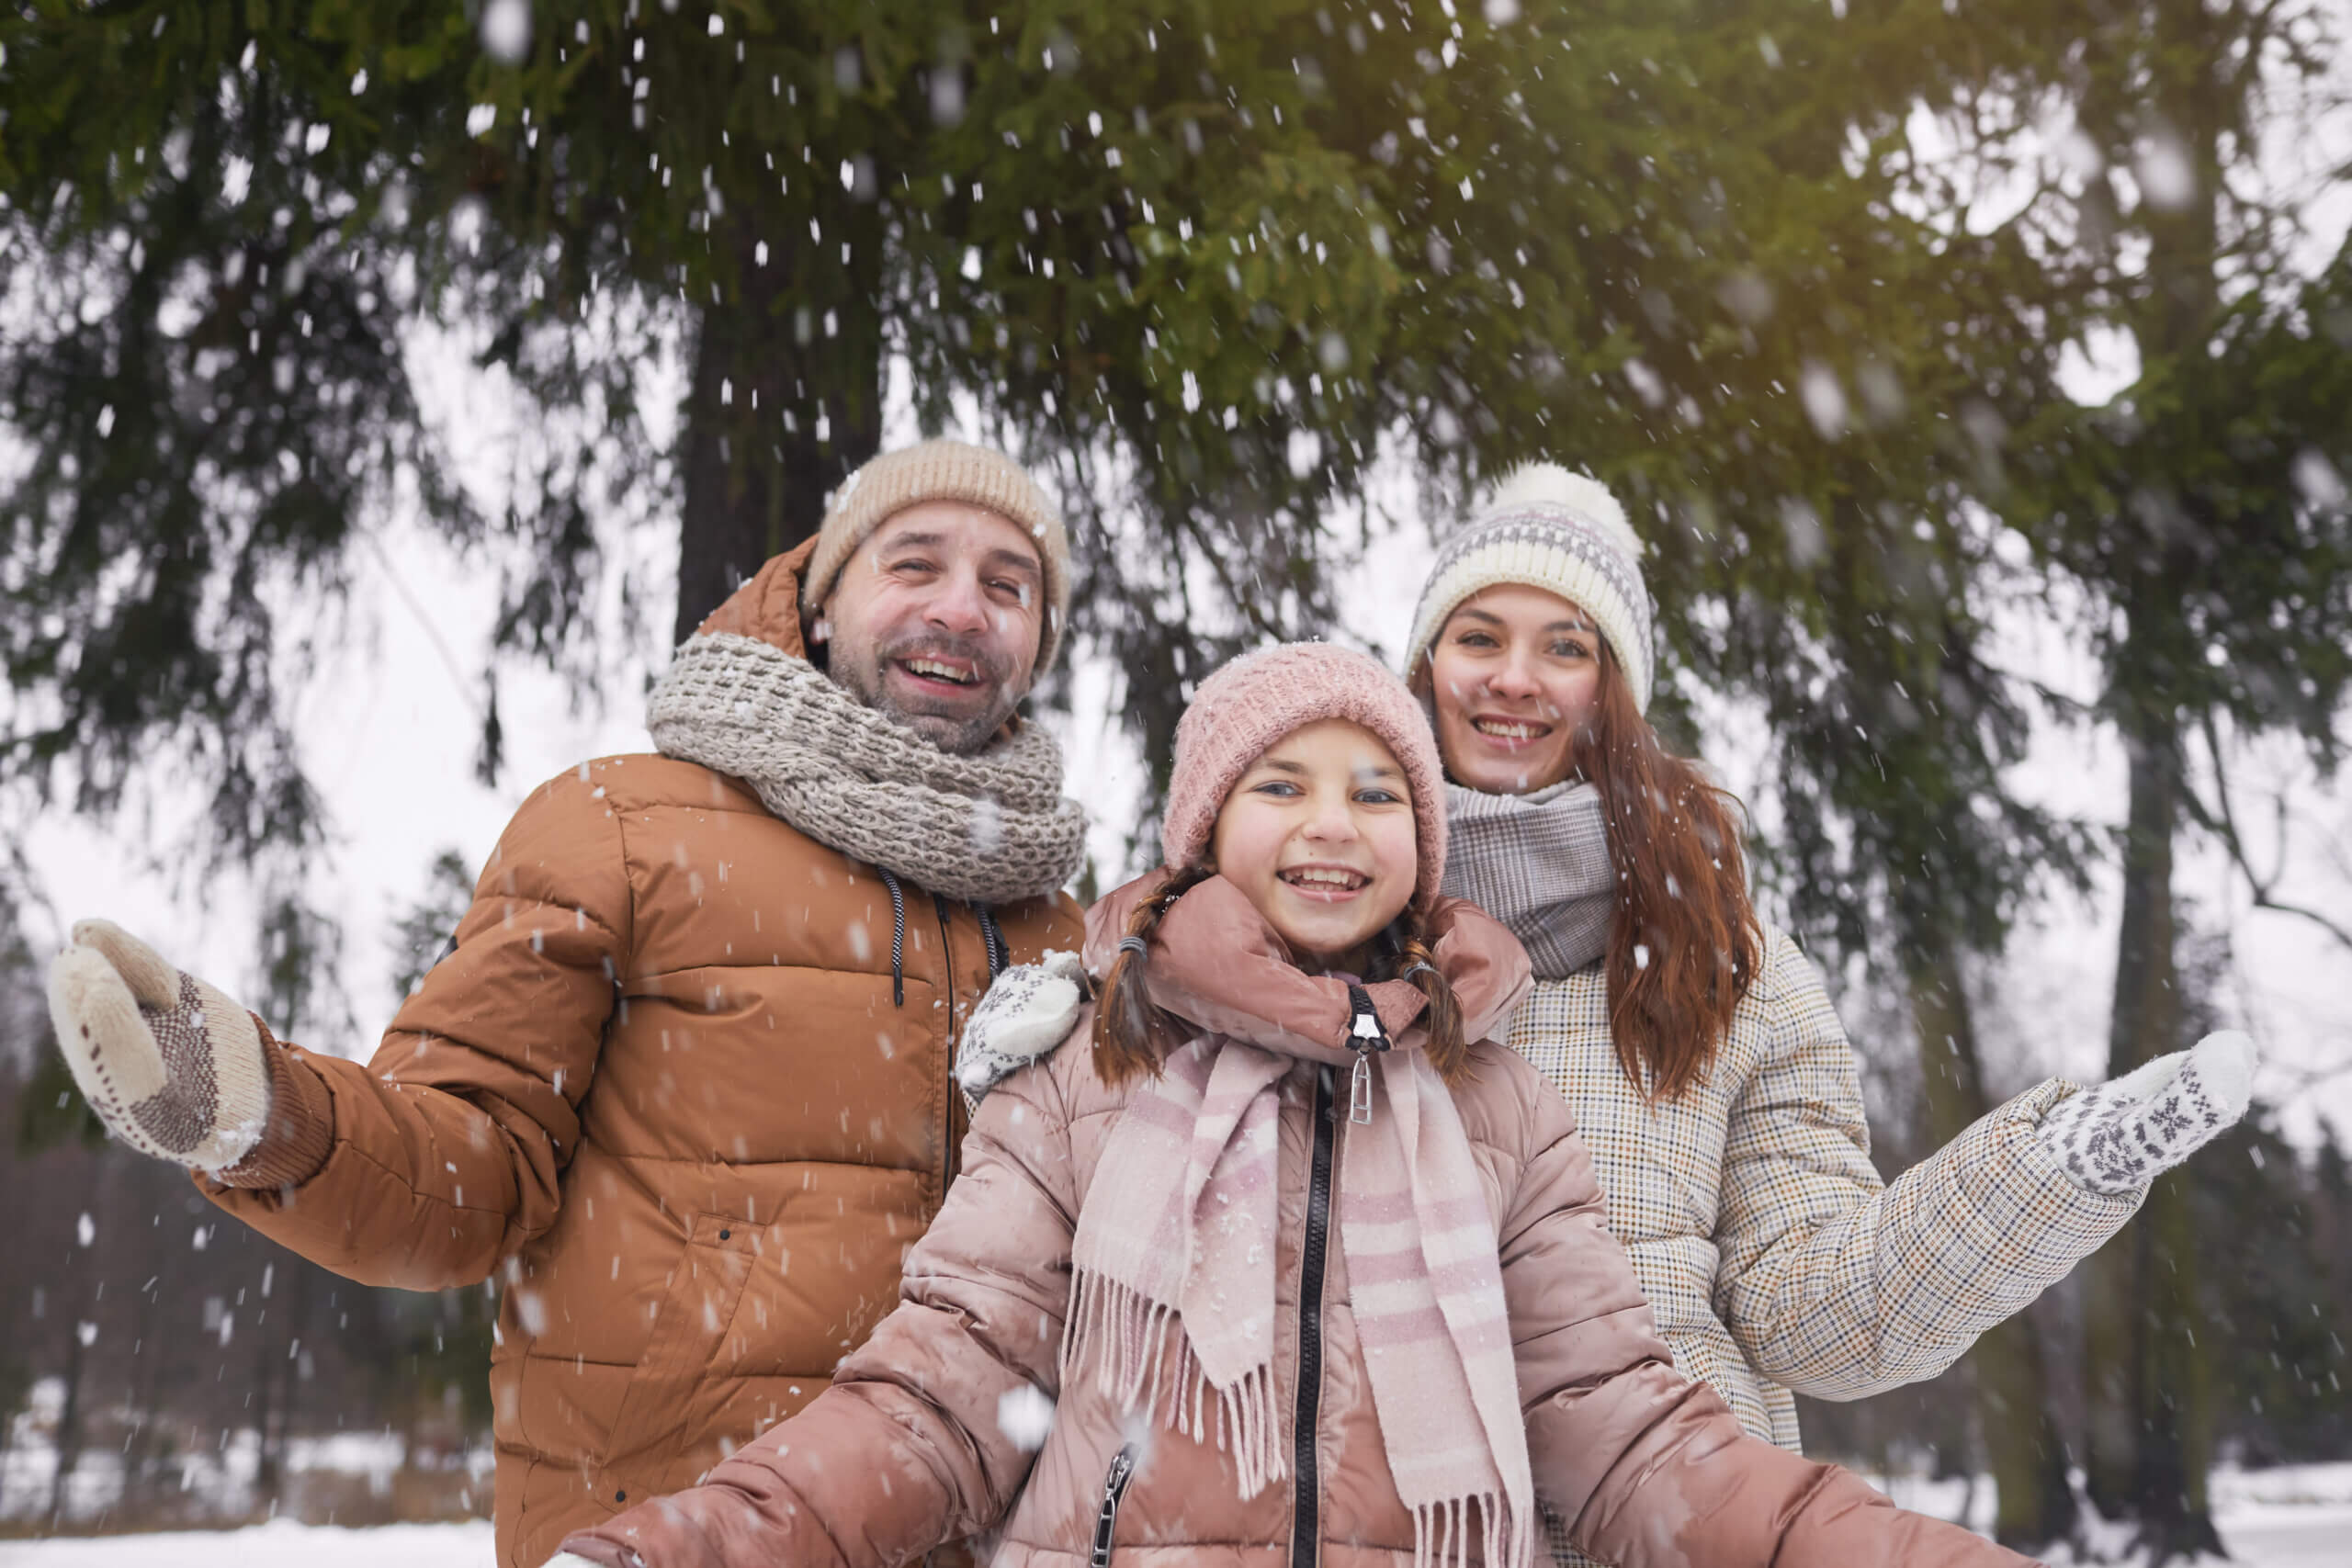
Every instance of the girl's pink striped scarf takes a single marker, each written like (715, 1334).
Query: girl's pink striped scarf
(1179, 1230)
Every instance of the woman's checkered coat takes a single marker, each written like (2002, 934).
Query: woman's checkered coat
(1773, 1255)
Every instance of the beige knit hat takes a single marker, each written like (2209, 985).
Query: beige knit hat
(944, 471)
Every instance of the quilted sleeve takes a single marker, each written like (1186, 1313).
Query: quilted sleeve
(429, 1165)
(1840, 1287)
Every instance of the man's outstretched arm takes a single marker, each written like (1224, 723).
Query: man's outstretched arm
(425, 1167)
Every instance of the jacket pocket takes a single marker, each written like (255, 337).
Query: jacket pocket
(1114, 1491)
(650, 1435)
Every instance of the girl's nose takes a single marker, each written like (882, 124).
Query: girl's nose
(1331, 821)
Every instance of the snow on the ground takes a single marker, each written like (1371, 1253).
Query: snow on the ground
(2295, 1516)
(278, 1544)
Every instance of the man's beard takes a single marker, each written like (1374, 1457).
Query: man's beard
(951, 733)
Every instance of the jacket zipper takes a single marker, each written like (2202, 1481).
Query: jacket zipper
(1106, 1521)
(1305, 1524)
(950, 1152)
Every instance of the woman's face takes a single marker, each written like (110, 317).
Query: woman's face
(1319, 835)
(1515, 671)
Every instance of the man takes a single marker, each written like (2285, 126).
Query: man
(683, 1083)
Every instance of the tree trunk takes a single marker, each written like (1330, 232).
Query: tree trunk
(786, 398)
(2147, 1390)
(2023, 1448)
(69, 1417)
(265, 1365)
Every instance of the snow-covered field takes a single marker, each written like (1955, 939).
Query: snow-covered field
(279, 1544)
(2299, 1517)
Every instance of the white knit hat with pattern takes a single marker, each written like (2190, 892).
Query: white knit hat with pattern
(1548, 529)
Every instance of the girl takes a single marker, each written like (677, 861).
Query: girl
(1279, 1259)
(1707, 1070)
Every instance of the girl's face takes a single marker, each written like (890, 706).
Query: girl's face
(1513, 673)
(1318, 834)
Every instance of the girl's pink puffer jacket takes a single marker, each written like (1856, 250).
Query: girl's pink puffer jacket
(926, 1434)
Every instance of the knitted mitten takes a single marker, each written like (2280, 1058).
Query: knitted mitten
(1027, 1013)
(173, 1067)
(2120, 1136)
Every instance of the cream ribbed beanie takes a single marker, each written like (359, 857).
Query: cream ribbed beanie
(1548, 529)
(944, 471)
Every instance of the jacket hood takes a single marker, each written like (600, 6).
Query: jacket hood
(768, 604)
(1215, 962)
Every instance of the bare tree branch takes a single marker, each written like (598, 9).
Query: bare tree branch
(2221, 822)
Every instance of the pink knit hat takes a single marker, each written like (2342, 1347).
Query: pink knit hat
(1259, 698)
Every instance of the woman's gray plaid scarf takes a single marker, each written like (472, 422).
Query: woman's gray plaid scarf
(1538, 862)
(989, 829)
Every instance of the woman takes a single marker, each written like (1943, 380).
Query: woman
(1708, 1071)
(1276, 1258)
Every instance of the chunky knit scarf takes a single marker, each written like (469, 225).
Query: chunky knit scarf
(1179, 1230)
(990, 828)
(1539, 862)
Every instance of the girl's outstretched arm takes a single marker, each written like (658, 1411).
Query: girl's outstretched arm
(905, 1450)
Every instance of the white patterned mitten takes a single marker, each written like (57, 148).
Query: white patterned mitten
(174, 1068)
(2120, 1136)
(1025, 1014)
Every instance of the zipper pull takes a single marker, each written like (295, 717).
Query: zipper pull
(1106, 1519)
(1367, 1036)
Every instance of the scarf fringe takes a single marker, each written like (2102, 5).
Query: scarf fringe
(1144, 1362)
(1442, 1537)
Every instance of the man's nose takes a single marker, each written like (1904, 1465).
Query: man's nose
(958, 604)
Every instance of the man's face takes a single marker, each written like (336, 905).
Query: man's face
(936, 620)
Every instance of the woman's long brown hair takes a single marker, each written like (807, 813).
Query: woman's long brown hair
(1685, 943)
(1127, 1025)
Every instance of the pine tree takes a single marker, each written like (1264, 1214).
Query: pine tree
(2202, 512)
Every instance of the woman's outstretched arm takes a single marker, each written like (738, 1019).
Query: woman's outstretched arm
(1838, 1287)
(1648, 1467)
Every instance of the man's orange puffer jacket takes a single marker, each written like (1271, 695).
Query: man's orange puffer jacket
(669, 1091)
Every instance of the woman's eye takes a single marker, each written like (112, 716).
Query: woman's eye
(1570, 650)
(1281, 787)
(1473, 639)
(1378, 796)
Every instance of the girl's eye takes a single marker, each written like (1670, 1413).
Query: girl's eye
(1570, 650)
(1473, 639)
(1378, 798)
(1283, 788)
